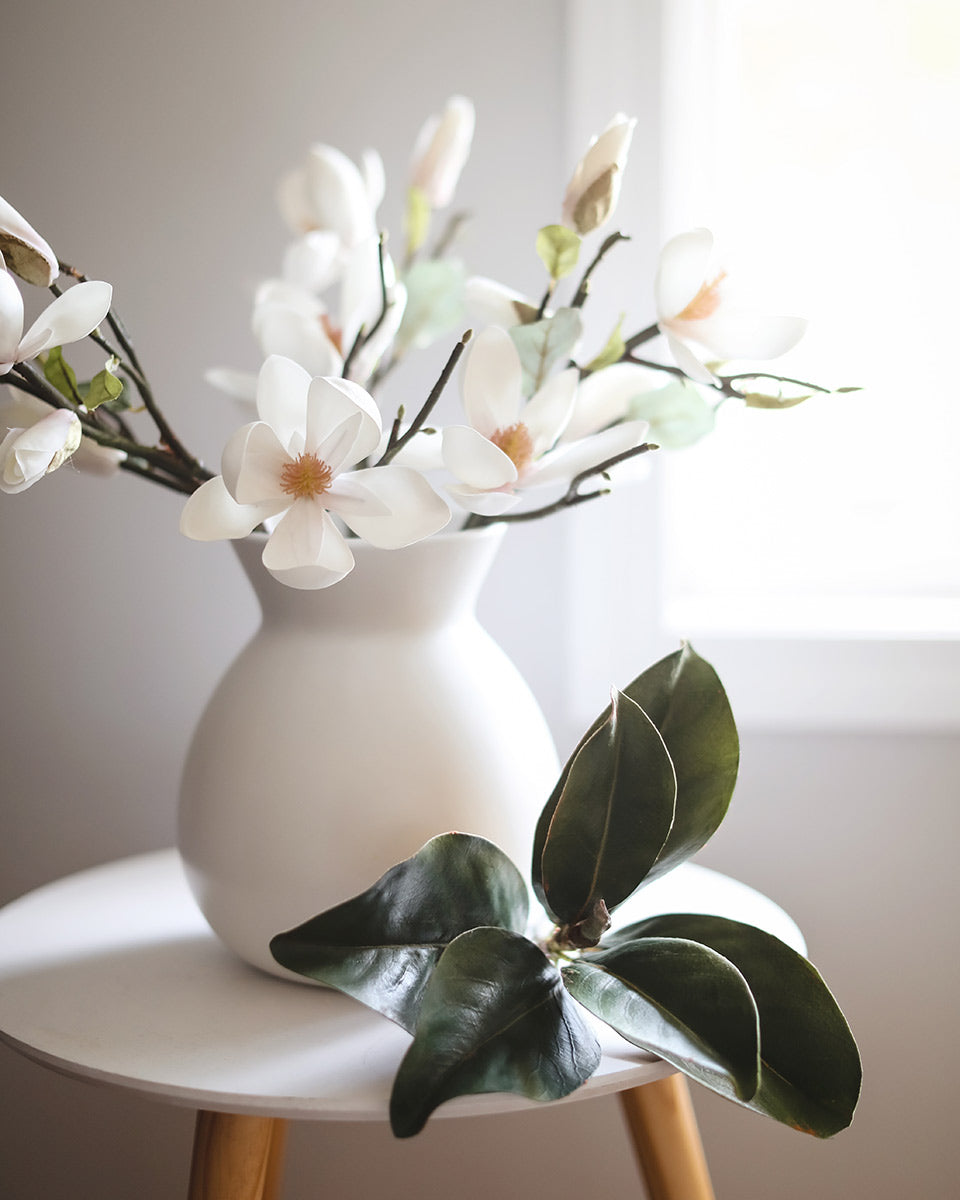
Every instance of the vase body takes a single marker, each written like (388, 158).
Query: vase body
(360, 721)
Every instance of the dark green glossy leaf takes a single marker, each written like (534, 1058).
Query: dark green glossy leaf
(495, 1018)
(610, 820)
(810, 1067)
(381, 946)
(685, 700)
(680, 1000)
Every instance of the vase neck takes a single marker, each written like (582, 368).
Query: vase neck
(423, 586)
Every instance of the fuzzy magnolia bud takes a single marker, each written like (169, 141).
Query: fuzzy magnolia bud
(594, 188)
(28, 454)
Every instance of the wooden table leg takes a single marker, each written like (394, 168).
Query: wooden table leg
(236, 1157)
(663, 1127)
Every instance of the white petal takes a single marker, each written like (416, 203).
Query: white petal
(745, 335)
(349, 497)
(492, 303)
(603, 397)
(441, 150)
(312, 261)
(372, 350)
(211, 513)
(282, 388)
(11, 318)
(336, 449)
(415, 509)
(474, 460)
(281, 293)
(70, 317)
(683, 269)
(293, 202)
(374, 177)
(548, 412)
(242, 384)
(492, 382)
(252, 462)
(607, 151)
(24, 250)
(28, 454)
(570, 460)
(292, 334)
(333, 401)
(484, 504)
(337, 195)
(686, 360)
(306, 550)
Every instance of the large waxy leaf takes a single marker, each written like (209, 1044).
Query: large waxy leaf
(381, 946)
(609, 821)
(495, 1018)
(680, 1000)
(685, 700)
(544, 344)
(809, 1063)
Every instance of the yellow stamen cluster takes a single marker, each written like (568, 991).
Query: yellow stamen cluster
(705, 302)
(516, 443)
(305, 477)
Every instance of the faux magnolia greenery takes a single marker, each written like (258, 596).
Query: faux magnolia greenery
(438, 943)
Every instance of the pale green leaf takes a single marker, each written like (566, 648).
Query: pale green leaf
(417, 219)
(612, 352)
(544, 344)
(559, 249)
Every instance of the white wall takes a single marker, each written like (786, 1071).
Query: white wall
(147, 143)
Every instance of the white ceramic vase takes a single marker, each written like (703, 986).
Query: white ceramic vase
(360, 721)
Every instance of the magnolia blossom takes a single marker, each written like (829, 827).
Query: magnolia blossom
(330, 193)
(25, 251)
(68, 319)
(594, 188)
(693, 310)
(293, 464)
(26, 455)
(441, 150)
(511, 444)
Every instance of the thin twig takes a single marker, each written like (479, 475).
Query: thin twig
(583, 288)
(395, 443)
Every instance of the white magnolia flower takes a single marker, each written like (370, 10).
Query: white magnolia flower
(293, 464)
(68, 319)
(25, 251)
(693, 310)
(330, 193)
(441, 151)
(491, 303)
(594, 188)
(22, 410)
(511, 445)
(26, 455)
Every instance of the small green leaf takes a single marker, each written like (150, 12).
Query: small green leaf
(381, 946)
(417, 219)
(103, 388)
(762, 400)
(435, 301)
(680, 1000)
(543, 344)
(610, 819)
(559, 249)
(612, 352)
(495, 1018)
(679, 414)
(58, 371)
(809, 1063)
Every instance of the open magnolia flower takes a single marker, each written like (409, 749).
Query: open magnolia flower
(330, 193)
(68, 319)
(509, 445)
(293, 464)
(693, 311)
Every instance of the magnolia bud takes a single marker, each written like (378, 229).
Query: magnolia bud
(594, 188)
(441, 150)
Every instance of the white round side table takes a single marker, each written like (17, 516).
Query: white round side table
(112, 975)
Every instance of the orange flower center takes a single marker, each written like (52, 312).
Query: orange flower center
(705, 302)
(305, 477)
(516, 443)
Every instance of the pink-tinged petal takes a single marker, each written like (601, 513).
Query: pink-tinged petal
(252, 463)
(570, 460)
(68, 319)
(282, 388)
(312, 262)
(474, 460)
(685, 264)
(211, 513)
(744, 335)
(484, 504)
(306, 550)
(492, 382)
(441, 151)
(686, 360)
(24, 250)
(415, 509)
(548, 412)
(337, 195)
(333, 401)
(349, 496)
(603, 398)
(26, 455)
(11, 319)
(241, 384)
(289, 333)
